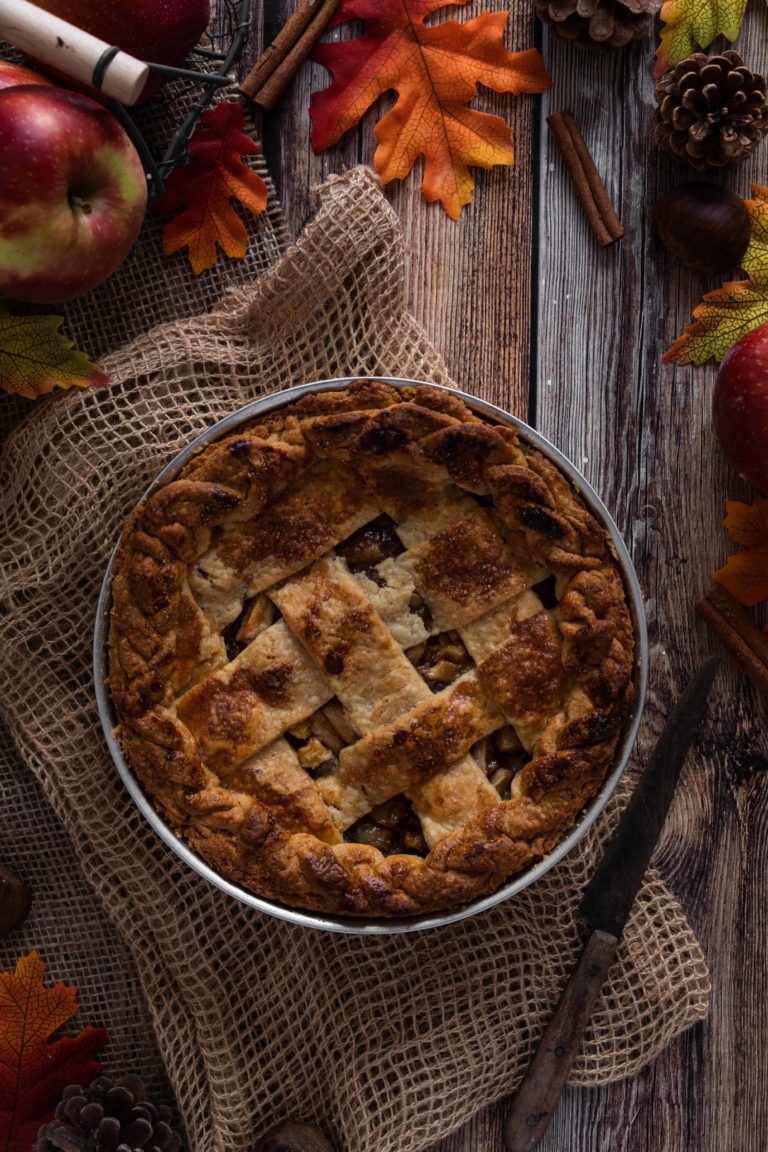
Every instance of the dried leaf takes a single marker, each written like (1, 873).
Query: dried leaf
(727, 314)
(206, 186)
(745, 575)
(435, 71)
(35, 358)
(690, 25)
(33, 1071)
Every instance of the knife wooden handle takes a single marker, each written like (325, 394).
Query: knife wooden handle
(540, 1089)
(61, 45)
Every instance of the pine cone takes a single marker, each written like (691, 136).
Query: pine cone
(591, 23)
(108, 1116)
(712, 110)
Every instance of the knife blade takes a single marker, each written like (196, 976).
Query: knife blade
(611, 892)
(605, 906)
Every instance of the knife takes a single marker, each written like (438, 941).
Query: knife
(606, 906)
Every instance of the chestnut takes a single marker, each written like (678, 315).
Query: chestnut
(706, 226)
(15, 900)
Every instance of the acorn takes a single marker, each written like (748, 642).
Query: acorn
(704, 225)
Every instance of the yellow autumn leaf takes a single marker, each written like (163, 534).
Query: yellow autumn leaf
(35, 357)
(690, 25)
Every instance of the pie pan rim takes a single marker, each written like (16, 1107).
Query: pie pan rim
(380, 926)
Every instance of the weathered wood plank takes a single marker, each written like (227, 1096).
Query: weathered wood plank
(468, 283)
(641, 433)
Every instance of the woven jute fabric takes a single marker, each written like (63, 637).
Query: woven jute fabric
(67, 926)
(388, 1042)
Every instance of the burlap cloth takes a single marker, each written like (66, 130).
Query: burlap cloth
(389, 1043)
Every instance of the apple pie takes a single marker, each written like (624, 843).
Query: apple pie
(371, 654)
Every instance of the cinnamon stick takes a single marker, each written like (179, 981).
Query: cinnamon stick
(271, 57)
(744, 640)
(589, 187)
(279, 63)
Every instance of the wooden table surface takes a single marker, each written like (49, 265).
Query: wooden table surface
(531, 314)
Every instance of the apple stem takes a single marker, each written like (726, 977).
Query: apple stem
(83, 205)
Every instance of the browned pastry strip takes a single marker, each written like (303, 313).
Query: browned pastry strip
(466, 569)
(421, 743)
(251, 702)
(276, 779)
(526, 677)
(328, 612)
(327, 504)
(448, 799)
(234, 762)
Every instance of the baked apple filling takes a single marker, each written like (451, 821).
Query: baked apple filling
(371, 654)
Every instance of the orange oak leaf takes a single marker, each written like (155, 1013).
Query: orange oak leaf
(35, 358)
(435, 71)
(745, 574)
(33, 1071)
(206, 186)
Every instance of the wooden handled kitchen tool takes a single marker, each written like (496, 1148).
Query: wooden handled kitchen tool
(72, 51)
(605, 907)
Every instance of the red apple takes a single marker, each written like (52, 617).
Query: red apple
(160, 31)
(740, 407)
(72, 194)
(11, 75)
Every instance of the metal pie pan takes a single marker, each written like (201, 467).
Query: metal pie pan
(380, 926)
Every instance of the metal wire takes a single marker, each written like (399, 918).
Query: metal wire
(210, 81)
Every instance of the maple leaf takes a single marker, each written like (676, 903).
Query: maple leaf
(745, 574)
(206, 186)
(728, 313)
(35, 358)
(33, 1071)
(690, 25)
(435, 71)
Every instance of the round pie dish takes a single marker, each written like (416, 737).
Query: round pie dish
(370, 655)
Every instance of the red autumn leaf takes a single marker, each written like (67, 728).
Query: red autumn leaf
(435, 71)
(33, 1070)
(206, 186)
(745, 574)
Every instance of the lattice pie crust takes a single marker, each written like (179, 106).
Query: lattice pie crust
(371, 654)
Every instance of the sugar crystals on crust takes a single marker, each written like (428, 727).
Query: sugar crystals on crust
(369, 655)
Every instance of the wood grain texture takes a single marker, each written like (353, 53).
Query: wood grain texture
(642, 434)
(532, 1107)
(529, 312)
(463, 279)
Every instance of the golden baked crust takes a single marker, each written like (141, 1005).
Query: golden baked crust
(369, 655)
